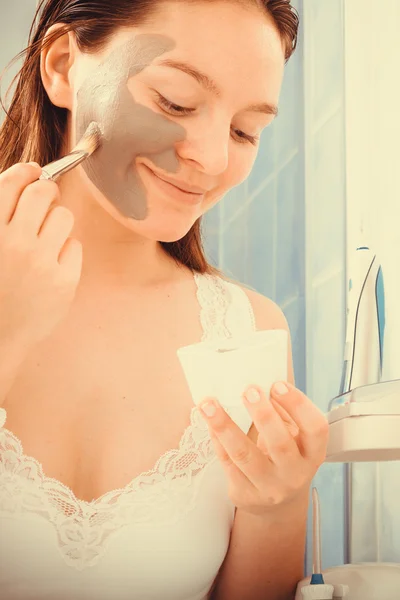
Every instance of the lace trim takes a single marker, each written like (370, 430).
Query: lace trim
(214, 299)
(165, 492)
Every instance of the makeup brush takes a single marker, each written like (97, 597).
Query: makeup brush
(89, 143)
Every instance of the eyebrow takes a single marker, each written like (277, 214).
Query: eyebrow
(200, 77)
(210, 85)
(269, 109)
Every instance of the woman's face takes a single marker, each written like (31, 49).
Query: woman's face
(183, 101)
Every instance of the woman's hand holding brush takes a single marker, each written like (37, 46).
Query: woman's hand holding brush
(40, 265)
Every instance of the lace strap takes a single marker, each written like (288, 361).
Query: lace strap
(226, 310)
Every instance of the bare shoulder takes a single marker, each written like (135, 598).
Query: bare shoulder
(267, 313)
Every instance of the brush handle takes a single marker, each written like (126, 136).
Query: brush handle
(55, 169)
(316, 531)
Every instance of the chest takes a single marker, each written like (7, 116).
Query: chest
(105, 397)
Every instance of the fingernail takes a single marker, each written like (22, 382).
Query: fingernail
(253, 395)
(209, 408)
(34, 164)
(280, 388)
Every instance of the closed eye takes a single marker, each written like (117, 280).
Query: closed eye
(244, 138)
(175, 109)
(172, 108)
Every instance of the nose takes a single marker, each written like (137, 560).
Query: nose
(207, 148)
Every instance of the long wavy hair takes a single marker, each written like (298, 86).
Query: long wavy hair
(34, 129)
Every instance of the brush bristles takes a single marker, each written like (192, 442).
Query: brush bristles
(91, 139)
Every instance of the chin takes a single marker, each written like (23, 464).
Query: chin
(161, 227)
(167, 232)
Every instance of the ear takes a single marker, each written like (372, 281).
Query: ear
(56, 61)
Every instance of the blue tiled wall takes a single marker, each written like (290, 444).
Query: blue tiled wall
(326, 243)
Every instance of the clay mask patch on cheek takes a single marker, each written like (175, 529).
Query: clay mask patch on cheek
(130, 129)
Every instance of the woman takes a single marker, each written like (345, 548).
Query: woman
(91, 385)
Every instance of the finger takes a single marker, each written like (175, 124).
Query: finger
(240, 449)
(286, 418)
(236, 477)
(273, 432)
(12, 184)
(33, 206)
(312, 423)
(56, 229)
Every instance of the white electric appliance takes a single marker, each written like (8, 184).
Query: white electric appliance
(364, 426)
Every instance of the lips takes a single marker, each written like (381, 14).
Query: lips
(180, 185)
(183, 186)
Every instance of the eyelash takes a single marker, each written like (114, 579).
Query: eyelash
(175, 109)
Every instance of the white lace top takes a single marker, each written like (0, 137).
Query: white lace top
(163, 537)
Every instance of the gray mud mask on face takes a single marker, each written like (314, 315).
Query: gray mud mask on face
(129, 129)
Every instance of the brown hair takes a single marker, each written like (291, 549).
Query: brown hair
(34, 128)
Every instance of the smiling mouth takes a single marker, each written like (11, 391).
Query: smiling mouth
(181, 186)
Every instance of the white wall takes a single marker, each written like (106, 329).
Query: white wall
(373, 218)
